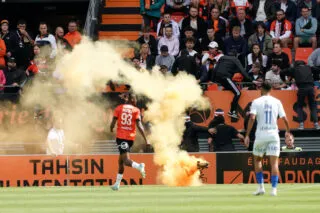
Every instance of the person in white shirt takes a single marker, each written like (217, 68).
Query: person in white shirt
(55, 139)
(46, 39)
(170, 41)
(165, 22)
(266, 110)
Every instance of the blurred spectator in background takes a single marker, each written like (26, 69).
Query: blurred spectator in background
(190, 45)
(56, 138)
(223, 135)
(209, 38)
(164, 69)
(136, 62)
(306, 27)
(316, 15)
(25, 45)
(255, 72)
(218, 24)
(237, 5)
(262, 38)
(246, 26)
(256, 55)
(252, 135)
(3, 54)
(305, 82)
(280, 56)
(222, 5)
(203, 8)
(188, 33)
(170, 41)
(236, 45)
(46, 41)
(146, 59)
(201, 72)
(290, 9)
(15, 78)
(9, 38)
(61, 41)
(149, 39)
(195, 22)
(2, 81)
(165, 22)
(314, 63)
(281, 29)
(177, 6)
(273, 76)
(290, 147)
(190, 141)
(73, 36)
(304, 3)
(217, 119)
(150, 11)
(210, 58)
(38, 64)
(185, 63)
(264, 11)
(164, 58)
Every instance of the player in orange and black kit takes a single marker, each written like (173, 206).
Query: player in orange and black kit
(127, 117)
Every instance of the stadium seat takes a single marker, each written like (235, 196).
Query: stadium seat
(121, 19)
(213, 87)
(302, 54)
(122, 3)
(288, 51)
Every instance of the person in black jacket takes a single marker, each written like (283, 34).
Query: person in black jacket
(149, 39)
(245, 24)
(9, 38)
(224, 70)
(252, 135)
(209, 38)
(190, 136)
(194, 21)
(304, 81)
(14, 77)
(186, 63)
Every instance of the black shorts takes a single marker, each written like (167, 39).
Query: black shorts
(124, 145)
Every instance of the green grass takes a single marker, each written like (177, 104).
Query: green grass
(139, 199)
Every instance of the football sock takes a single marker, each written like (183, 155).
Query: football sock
(119, 178)
(274, 181)
(135, 165)
(260, 181)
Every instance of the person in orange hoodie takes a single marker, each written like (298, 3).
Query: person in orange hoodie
(3, 53)
(73, 36)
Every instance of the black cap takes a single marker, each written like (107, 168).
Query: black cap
(164, 48)
(11, 60)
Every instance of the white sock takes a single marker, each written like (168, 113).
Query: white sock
(119, 178)
(261, 186)
(135, 165)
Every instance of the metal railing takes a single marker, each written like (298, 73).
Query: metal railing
(92, 18)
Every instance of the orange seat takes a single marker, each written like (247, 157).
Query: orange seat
(123, 3)
(288, 51)
(121, 19)
(119, 35)
(213, 87)
(302, 54)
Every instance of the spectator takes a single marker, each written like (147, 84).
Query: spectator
(217, 23)
(202, 6)
(304, 80)
(263, 11)
(136, 62)
(73, 36)
(177, 6)
(3, 50)
(186, 63)
(202, 72)
(280, 56)
(316, 14)
(304, 3)
(281, 29)
(25, 47)
(262, 38)
(2, 81)
(44, 39)
(189, 33)
(165, 22)
(223, 135)
(223, 6)
(306, 27)
(195, 22)
(290, 147)
(246, 26)
(55, 139)
(150, 11)
(210, 38)
(256, 56)
(9, 38)
(224, 71)
(14, 77)
(60, 40)
(273, 76)
(210, 58)
(314, 63)
(38, 64)
(149, 39)
(236, 5)
(170, 41)
(252, 135)
(236, 45)
(146, 59)
(164, 58)
(190, 141)
(256, 73)
(290, 10)
(217, 119)
(190, 45)
(164, 69)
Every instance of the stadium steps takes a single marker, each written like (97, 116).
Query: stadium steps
(120, 20)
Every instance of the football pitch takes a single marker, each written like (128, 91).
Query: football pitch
(139, 199)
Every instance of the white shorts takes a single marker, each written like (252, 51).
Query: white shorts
(270, 148)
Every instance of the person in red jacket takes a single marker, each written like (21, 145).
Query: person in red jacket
(2, 81)
(3, 50)
(73, 36)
